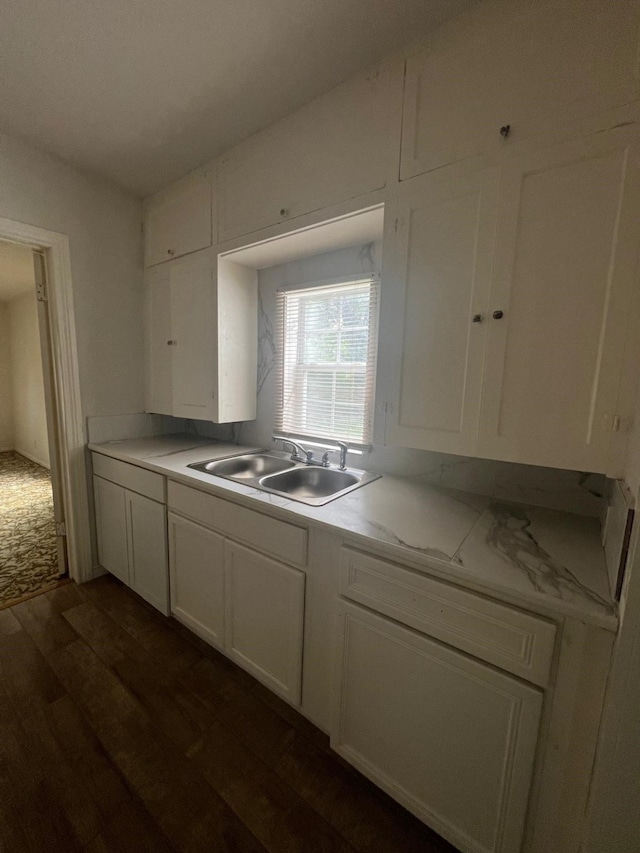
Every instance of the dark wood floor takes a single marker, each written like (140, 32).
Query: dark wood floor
(121, 731)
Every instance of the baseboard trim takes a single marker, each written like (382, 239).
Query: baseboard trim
(30, 456)
(6, 449)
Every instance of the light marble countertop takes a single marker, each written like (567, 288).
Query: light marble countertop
(542, 559)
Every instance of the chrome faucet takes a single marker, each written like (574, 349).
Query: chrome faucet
(299, 453)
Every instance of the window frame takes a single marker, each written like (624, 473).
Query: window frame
(368, 368)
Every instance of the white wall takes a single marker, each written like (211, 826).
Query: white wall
(27, 384)
(103, 225)
(6, 404)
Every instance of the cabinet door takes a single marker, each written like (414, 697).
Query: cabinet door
(527, 65)
(147, 538)
(265, 619)
(158, 342)
(565, 268)
(326, 152)
(193, 332)
(178, 221)
(111, 528)
(438, 280)
(196, 566)
(451, 739)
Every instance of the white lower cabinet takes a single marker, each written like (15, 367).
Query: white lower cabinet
(196, 571)
(245, 603)
(111, 528)
(147, 539)
(132, 540)
(450, 738)
(265, 619)
(132, 530)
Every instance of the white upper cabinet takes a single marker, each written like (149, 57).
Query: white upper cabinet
(506, 313)
(158, 352)
(435, 306)
(201, 340)
(178, 220)
(193, 337)
(528, 65)
(565, 268)
(330, 150)
(180, 338)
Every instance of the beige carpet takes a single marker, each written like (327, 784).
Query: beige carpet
(28, 557)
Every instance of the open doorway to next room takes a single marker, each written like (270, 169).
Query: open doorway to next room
(29, 552)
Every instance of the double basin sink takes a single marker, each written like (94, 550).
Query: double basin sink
(309, 484)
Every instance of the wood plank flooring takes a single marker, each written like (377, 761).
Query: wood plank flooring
(121, 731)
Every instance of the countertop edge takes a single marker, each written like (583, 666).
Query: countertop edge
(445, 570)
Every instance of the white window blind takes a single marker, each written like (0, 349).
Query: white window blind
(326, 359)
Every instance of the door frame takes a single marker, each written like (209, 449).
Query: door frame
(68, 410)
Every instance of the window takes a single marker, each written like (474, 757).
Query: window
(328, 342)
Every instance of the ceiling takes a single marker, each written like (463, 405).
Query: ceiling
(141, 92)
(16, 271)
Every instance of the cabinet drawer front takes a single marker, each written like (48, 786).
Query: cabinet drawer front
(510, 639)
(269, 535)
(139, 480)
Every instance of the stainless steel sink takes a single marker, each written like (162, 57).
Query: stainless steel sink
(309, 484)
(246, 467)
(314, 485)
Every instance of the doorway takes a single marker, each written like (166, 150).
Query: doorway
(63, 348)
(33, 554)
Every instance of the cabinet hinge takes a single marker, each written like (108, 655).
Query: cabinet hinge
(395, 224)
(61, 528)
(41, 291)
(41, 276)
(616, 423)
